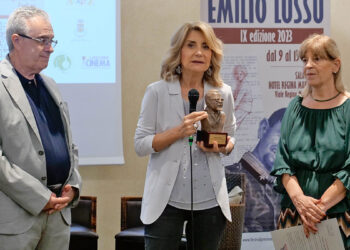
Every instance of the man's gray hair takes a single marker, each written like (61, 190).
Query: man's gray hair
(17, 22)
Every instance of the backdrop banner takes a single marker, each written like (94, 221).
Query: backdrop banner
(261, 64)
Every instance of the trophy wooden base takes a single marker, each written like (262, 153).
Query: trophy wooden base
(209, 137)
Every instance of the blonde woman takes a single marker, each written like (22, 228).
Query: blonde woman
(312, 163)
(164, 125)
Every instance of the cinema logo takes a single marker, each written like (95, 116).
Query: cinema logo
(100, 62)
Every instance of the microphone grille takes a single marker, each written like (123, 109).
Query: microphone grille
(193, 95)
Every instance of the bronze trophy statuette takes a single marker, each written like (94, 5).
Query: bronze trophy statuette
(212, 127)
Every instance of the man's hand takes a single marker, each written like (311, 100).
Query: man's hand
(58, 203)
(68, 191)
(54, 203)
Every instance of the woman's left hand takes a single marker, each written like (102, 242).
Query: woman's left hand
(312, 225)
(308, 229)
(216, 149)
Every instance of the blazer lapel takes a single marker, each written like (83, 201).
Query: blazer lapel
(51, 88)
(53, 92)
(176, 102)
(16, 91)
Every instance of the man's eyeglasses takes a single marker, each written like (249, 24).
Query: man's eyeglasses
(43, 41)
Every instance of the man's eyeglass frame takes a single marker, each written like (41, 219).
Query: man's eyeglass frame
(43, 41)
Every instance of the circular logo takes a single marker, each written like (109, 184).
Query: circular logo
(62, 62)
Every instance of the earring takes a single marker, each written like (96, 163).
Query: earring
(335, 72)
(209, 71)
(178, 69)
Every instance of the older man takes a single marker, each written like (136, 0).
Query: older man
(39, 179)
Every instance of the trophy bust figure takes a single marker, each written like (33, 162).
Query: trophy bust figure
(212, 127)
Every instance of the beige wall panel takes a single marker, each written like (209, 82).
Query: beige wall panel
(340, 32)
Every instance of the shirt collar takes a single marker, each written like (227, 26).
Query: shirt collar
(25, 81)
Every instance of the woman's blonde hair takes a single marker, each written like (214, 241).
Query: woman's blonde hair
(324, 47)
(173, 57)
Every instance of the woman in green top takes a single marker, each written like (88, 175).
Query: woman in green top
(312, 163)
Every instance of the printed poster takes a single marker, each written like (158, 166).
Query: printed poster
(261, 64)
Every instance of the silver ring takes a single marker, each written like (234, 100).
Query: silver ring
(195, 125)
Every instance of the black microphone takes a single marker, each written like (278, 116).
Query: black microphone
(193, 96)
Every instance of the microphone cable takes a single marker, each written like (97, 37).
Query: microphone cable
(193, 96)
(190, 141)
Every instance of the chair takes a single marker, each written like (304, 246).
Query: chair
(83, 228)
(132, 229)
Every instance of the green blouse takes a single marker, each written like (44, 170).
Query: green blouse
(314, 146)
